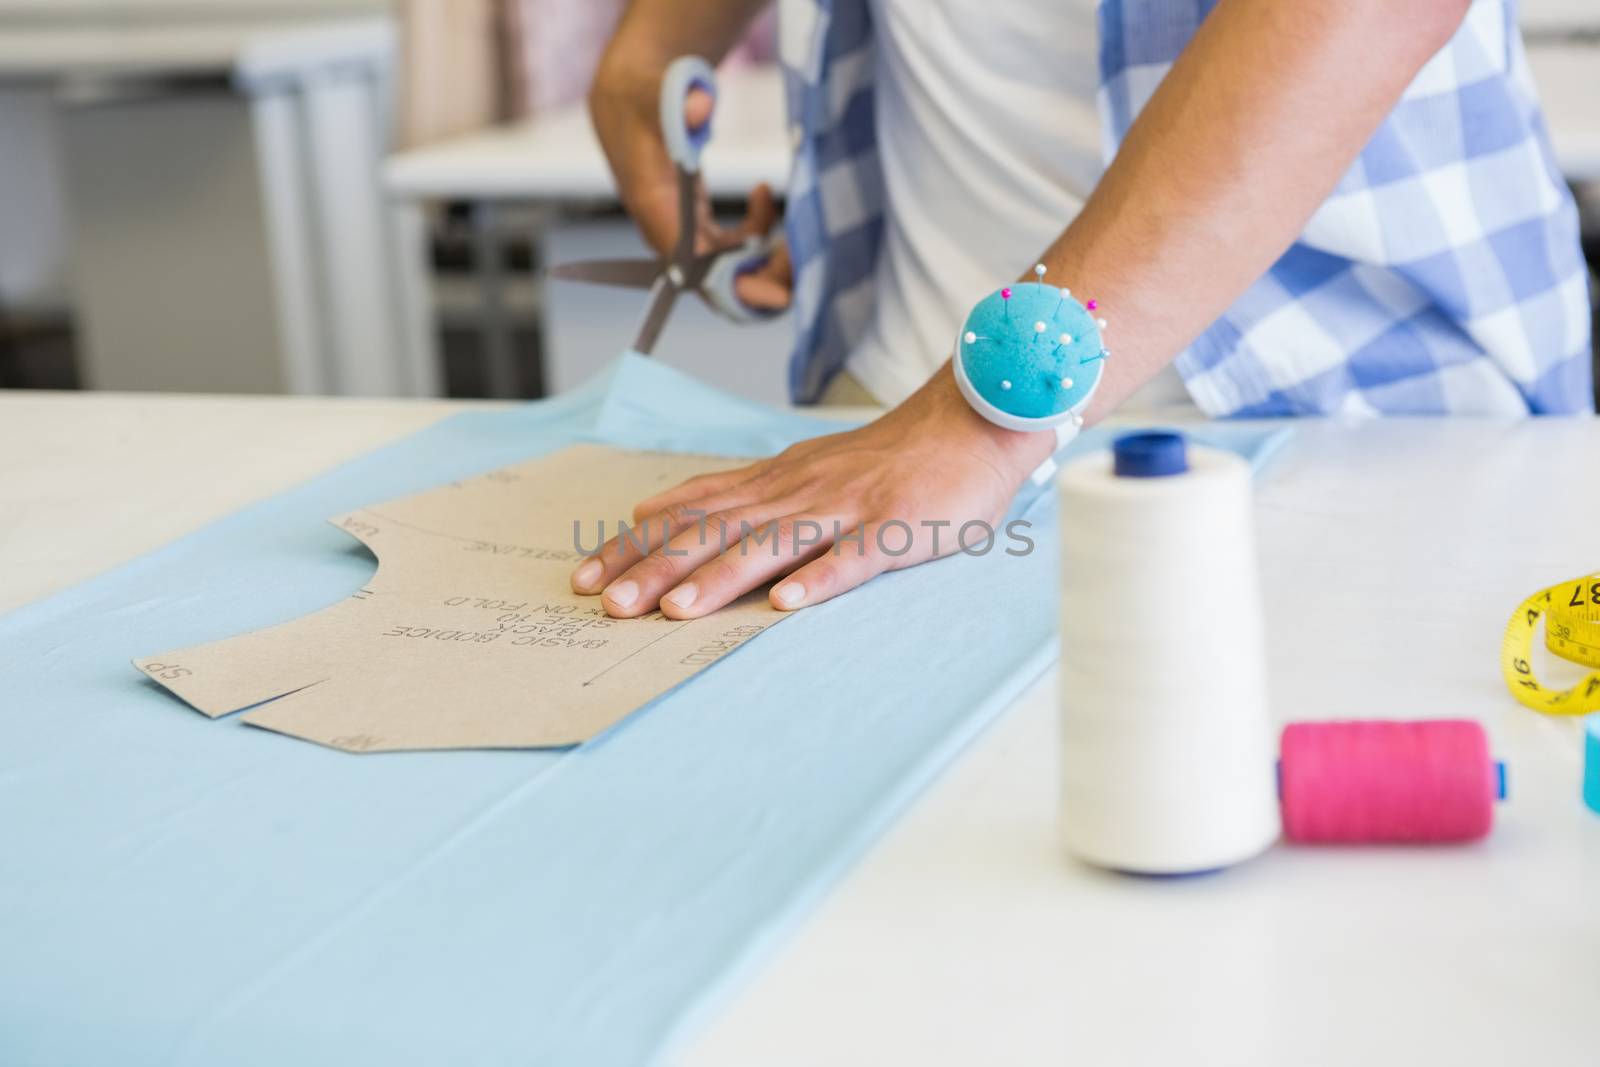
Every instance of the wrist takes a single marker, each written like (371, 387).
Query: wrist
(1017, 453)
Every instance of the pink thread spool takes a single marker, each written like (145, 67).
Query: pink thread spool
(1405, 782)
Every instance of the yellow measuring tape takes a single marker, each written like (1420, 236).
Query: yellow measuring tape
(1571, 613)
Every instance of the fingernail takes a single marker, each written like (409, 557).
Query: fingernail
(683, 597)
(586, 575)
(623, 594)
(790, 594)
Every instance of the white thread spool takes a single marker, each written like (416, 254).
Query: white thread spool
(1167, 756)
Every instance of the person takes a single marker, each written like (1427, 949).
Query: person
(1331, 206)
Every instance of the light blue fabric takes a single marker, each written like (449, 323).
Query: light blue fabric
(176, 890)
(1442, 275)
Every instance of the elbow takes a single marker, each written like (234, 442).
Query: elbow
(612, 84)
(602, 89)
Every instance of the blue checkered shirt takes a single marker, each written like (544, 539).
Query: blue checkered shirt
(1443, 275)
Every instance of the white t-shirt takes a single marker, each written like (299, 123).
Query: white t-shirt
(990, 141)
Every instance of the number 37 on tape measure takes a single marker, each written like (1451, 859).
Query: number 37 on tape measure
(1571, 613)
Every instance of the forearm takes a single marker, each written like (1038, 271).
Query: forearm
(1248, 134)
(624, 106)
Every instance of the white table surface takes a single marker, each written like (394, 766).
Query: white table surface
(555, 155)
(91, 480)
(1392, 554)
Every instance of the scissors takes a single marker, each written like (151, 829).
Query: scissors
(710, 274)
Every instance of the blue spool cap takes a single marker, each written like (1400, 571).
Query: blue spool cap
(1156, 454)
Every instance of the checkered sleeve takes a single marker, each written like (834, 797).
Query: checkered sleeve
(834, 217)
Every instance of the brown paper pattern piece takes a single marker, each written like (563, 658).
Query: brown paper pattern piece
(469, 635)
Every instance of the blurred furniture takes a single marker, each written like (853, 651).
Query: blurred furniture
(33, 267)
(470, 64)
(553, 162)
(227, 227)
(1566, 67)
(555, 156)
(452, 80)
(1546, 18)
(1568, 75)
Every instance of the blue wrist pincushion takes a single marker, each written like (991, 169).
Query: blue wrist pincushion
(1032, 353)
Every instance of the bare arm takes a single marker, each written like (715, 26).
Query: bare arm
(1246, 136)
(652, 33)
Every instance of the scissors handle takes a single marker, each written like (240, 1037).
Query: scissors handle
(718, 285)
(685, 143)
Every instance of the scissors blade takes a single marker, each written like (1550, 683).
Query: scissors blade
(688, 214)
(628, 273)
(662, 297)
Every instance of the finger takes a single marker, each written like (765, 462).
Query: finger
(775, 548)
(770, 286)
(779, 267)
(632, 544)
(858, 556)
(711, 235)
(703, 488)
(654, 207)
(760, 292)
(649, 180)
(638, 590)
(761, 213)
(697, 108)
